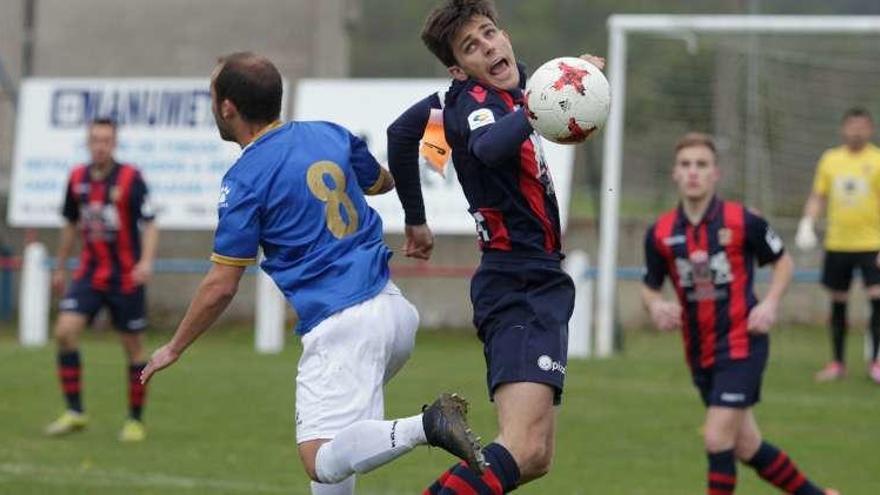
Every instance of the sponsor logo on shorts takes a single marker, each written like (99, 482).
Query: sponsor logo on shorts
(67, 304)
(546, 363)
(297, 419)
(731, 397)
(137, 324)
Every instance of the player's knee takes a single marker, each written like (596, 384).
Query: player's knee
(717, 440)
(65, 336)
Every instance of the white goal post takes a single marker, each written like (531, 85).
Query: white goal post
(619, 27)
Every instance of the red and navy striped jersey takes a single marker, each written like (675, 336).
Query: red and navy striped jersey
(501, 168)
(106, 212)
(711, 265)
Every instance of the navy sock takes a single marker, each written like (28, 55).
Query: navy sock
(775, 467)
(501, 476)
(70, 373)
(875, 328)
(721, 478)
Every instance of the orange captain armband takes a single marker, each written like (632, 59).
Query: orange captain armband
(434, 147)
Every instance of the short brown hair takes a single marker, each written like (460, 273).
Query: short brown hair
(695, 139)
(252, 83)
(103, 121)
(444, 22)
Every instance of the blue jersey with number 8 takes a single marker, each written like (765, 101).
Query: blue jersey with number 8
(298, 191)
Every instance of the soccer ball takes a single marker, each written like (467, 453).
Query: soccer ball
(567, 99)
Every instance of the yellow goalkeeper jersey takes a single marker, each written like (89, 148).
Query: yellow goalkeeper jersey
(850, 182)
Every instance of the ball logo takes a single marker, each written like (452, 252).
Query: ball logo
(545, 363)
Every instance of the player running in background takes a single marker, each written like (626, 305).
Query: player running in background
(297, 191)
(107, 202)
(522, 298)
(708, 248)
(848, 182)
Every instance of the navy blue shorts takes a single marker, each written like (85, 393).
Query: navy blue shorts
(521, 310)
(735, 383)
(127, 311)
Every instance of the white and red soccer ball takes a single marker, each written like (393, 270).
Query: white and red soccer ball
(567, 99)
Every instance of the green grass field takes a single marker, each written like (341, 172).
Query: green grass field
(220, 422)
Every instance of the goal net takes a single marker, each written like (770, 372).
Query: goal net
(770, 89)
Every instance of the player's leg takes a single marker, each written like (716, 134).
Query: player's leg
(128, 313)
(523, 450)
(772, 464)
(837, 275)
(719, 437)
(871, 277)
(525, 345)
(77, 308)
(340, 430)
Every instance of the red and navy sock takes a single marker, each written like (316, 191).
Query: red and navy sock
(777, 469)
(722, 473)
(137, 391)
(69, 372)
(501, 476)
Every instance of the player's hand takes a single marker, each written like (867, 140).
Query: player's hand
(164, 357)
(596, 60)
(419, 242)
(666, 314)
(763, 317)
(59, 280)
(806, 239)
(142, 272)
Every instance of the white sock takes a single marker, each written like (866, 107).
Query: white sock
(366, 445)
(342, 488)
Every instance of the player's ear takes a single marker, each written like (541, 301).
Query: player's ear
(227, 110)
(457, 73)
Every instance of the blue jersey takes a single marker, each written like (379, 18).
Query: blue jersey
(297, 191)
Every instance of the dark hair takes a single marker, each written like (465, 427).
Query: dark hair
(856, 112)
(107, 121)
(695, 139)
(444, 22)
(252, 83)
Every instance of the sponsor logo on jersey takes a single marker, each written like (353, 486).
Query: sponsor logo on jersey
(480, 117)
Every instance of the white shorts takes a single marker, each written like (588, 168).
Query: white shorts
(346, 361)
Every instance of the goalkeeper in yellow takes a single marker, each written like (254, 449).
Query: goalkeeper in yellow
(847, 185)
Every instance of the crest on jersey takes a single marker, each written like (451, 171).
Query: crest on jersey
(725, 236)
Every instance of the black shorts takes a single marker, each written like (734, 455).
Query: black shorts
(734, 383)
(127, 310)
(521, 311)
(838, 268)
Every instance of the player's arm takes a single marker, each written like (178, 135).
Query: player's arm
(372, 178)
(665, 314)
(806, 238)
(495, 142)
(768, 248)
(236, 243)
(214, 294)
(404, 135)
(67, 238)
(143, 210)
